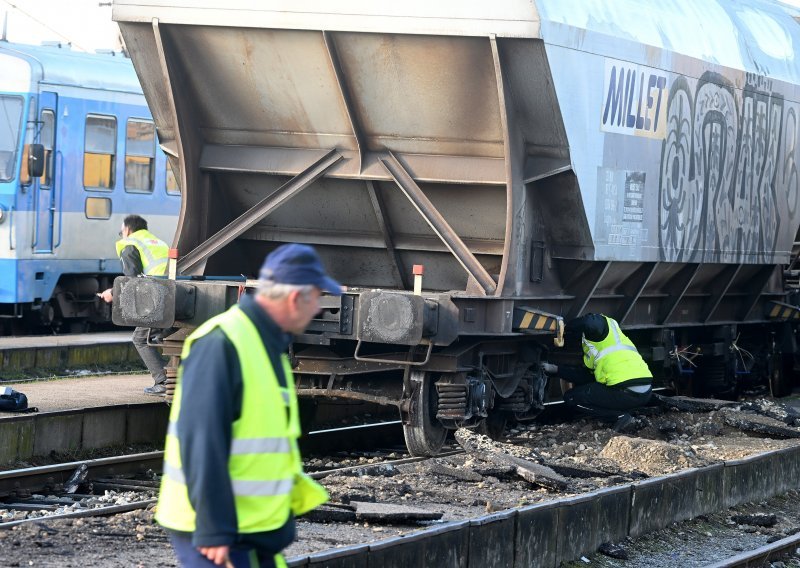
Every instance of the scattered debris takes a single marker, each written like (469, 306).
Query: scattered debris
(686, 404)
(78, 477)
(571, 468)
(332, 512)
(503, 454)
(390, 513)
(437, 467)
(759, 424)
(776, 410)
(757, 520)
(652, 457)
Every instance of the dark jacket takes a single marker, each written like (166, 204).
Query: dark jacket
(212, 388)
(131, 261)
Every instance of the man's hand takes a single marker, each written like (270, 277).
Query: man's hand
(107, 295)
(216, 554)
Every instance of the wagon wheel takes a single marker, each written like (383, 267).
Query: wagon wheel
(424, 434)
(780, 369)
(493, 425)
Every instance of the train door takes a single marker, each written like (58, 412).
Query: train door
(45, 187)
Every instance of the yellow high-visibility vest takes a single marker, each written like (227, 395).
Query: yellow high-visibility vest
(153, 251)
(615, 359)
(264, 464)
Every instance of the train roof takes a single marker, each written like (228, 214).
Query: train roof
(62, 66)
(757, 36)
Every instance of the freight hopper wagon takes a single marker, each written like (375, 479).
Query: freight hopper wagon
(540, 159)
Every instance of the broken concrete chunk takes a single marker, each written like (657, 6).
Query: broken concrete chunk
(757, 520)
(776, 410)
(507, 455)
(386, 513)
(332, 512)
(688, 404)
(571, 468)
(435, 467)
(760, 424)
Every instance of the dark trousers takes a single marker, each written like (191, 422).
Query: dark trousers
(150, 355)
(190, 557)
(590, 397)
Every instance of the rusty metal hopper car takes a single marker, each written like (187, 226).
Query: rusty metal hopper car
(540, 158)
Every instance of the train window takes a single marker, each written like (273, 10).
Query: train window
(172, 182)
(98, 208)
(99, 153)
(48, 141)
(140, 155)
(11, 111)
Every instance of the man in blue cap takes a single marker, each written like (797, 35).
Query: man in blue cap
(233, 479)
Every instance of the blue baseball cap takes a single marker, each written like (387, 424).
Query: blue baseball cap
(299, 265)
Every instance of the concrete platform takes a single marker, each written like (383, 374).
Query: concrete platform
(32, 341)
(81, 414)
(48, 353)
(84, 392)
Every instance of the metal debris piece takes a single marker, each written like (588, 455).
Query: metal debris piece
(78, 477)
(503, 454)
(386, 513)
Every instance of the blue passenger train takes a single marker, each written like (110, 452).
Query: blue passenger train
(81, 121)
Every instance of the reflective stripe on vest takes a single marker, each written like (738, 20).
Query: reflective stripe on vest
(250, 445)
(153, 251)
(264, 461)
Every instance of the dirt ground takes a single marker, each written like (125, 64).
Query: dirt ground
(458, 486)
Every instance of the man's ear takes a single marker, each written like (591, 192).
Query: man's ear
(293, 299)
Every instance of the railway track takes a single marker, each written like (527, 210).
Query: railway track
(118, 478)
(119, 484)
(761, 555)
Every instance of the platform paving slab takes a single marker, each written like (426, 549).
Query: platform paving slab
(84, 392)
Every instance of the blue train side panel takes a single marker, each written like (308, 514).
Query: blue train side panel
(102, 163)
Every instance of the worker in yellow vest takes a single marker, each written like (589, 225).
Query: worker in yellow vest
(233, 480)
(614, 379)
(142, 253)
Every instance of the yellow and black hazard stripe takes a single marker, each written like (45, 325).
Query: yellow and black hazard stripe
(781, 311)
(537, 321)
(528, 320)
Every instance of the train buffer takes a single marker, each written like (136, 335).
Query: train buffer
(533, 321)
(782, 311)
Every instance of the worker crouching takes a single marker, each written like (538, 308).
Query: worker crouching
(614, 380)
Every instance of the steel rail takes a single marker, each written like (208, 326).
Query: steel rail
(37, 478)
(760, 555)
(96, 512)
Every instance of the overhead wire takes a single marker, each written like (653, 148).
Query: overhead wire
(45, 25)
